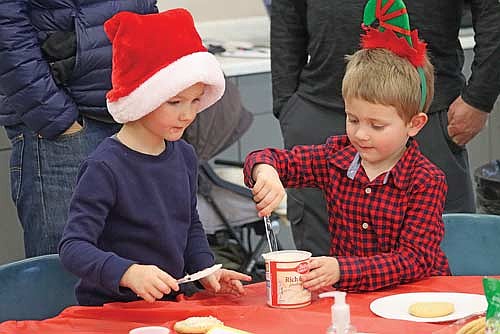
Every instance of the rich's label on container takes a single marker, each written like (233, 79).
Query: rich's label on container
(283, 280)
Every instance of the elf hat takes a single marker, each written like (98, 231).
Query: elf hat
(155, 57)
(387, 25)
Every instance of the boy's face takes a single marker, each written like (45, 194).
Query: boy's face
(173, 117)
(377, 131)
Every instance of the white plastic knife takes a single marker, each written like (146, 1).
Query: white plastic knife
(200, 274)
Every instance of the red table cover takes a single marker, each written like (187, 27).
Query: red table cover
(248, 313)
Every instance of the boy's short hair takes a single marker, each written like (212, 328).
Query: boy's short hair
(381, 77)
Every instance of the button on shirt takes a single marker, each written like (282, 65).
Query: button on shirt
(400, 211)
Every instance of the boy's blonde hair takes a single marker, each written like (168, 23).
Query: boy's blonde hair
(381, 77)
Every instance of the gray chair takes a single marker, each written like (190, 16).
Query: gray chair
(35, 288)
(472, 243)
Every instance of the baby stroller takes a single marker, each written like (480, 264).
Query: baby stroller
(235, 233)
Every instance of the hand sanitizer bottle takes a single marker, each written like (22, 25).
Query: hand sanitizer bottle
(341, 317)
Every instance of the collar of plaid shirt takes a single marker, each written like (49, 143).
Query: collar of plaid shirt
(348, 159)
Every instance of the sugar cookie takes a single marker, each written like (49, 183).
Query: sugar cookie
(431, 309)
(195, 325)
(477, 326)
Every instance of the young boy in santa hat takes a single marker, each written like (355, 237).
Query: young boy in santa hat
(385, 198)
(133, 227)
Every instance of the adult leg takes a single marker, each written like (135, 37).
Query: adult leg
(303, 123)
(43, 176)
(436, 144)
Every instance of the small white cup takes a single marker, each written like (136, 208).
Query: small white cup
(150, 330)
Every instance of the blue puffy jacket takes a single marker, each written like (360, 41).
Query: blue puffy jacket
(28, 93)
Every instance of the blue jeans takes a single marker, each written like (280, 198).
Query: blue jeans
(43, 175)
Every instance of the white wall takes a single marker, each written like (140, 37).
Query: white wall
(208, 10)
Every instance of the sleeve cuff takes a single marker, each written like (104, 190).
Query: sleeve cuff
(350, 273)
(112, 272)
(482, 104)
(247, 171)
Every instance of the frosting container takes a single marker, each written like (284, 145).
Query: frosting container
(283, 278)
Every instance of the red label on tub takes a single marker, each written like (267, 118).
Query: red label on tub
(302, 268)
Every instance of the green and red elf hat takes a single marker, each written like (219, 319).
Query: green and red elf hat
(387, 25)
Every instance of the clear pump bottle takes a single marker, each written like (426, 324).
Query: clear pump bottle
(341, 316)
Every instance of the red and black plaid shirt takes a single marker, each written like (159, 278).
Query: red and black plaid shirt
(383, 232)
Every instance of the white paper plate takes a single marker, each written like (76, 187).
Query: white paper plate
(396, 306)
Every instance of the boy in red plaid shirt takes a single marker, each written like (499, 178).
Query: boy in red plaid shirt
(385, 199)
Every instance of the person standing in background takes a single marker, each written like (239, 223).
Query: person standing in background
(309, 41)
(55, 70)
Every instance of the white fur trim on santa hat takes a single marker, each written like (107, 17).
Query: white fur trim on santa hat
(167, 83)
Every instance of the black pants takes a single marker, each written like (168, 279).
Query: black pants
(436, 144)
(303, 123)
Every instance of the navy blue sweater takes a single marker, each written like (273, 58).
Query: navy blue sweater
(130, 207)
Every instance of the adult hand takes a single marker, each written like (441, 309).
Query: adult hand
(464, 121)
(226, 281)
(323, 272)
(74, 128)
(148, 282)
(268, 191)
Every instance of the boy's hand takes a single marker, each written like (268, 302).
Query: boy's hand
(323, 272)
(148, 282)
(225, 281)
(268, 191)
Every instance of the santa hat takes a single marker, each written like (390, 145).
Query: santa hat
(155, 57)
